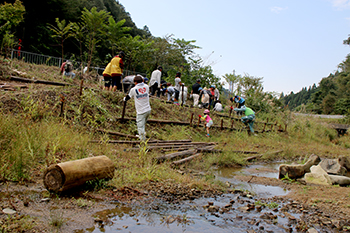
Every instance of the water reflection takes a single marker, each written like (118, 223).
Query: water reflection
(152, 216)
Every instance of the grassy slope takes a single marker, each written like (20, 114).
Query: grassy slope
(33, 135)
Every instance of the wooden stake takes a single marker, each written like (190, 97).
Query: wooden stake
(191, 119)
(81, 87)
(199, 121)
(222, 124)
(232, 124)
(123, 113)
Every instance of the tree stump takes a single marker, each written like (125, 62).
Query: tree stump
(63, 176)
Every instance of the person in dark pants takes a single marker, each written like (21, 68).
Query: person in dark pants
(117, 66)
(154, 82)
(178, 85)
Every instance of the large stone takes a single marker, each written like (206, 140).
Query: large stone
(298, 171)
(344, 162)
(332, 166)
(341, 180)
(317, 176)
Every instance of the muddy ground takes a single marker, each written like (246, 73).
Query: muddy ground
(304, 207)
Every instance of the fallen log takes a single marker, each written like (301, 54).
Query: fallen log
(169, 141)
(161, 147)
(117, 133)
(209, 149)
(175, 163)
(116, 141)
(244, 152)
(175, 155)
(64, 176)
(155, 121)
(27, 80)
(253, 157)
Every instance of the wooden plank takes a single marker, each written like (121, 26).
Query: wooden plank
(175, 155)
(185, 159)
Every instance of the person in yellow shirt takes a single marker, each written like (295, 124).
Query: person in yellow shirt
(116, 71)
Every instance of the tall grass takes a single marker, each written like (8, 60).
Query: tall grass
(27, 146)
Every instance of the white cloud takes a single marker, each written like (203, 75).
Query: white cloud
(340, 3)
(277, 9)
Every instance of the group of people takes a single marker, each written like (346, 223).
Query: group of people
(141, 92)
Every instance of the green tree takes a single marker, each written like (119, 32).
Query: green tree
(95, 23)
(11, 15)
(61, 32)
(114, 32)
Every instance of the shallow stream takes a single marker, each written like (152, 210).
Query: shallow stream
(231, 215)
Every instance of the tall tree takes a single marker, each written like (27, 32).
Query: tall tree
(61, 32)
(95, 22)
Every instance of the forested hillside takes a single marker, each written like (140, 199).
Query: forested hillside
(330, 96)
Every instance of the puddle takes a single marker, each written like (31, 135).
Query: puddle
(190, 216)
(262, 170)
(154, 216)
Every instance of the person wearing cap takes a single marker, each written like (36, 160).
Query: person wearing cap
(154, 82)
(249, 117)
(116, 70)
(207, 119)
(238, 100)
(196, 88)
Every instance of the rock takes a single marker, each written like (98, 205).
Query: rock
(312, 230)
(341, 180)
(213, 209)
(297, 171)
(332, 166)
(317, 176)
(344, 162)
(8, 211)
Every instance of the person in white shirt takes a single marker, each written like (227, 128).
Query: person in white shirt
(154, 82)
(170, 92)
(218, 106)
(177, 87)
(143, 109)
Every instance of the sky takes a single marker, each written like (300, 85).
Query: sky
(291, 44)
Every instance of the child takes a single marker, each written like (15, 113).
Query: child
(143, 109)
(207, 118)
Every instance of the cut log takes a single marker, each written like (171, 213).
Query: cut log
(175, 155)
(64, 176)
(175, 163)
